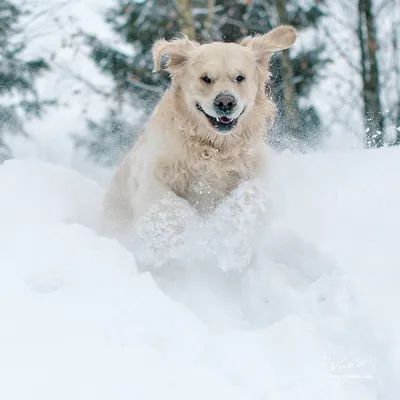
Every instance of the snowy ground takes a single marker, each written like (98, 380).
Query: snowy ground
(313, 317)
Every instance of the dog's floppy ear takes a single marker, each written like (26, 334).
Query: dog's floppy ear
(266, 45)
(170, 55)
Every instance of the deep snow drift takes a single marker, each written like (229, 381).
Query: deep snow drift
(303, 306)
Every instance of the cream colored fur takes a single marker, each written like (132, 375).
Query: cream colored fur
(180, 151)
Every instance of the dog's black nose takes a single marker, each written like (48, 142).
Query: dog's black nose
(225, 103)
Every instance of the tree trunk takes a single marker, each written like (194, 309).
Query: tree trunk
(287, 78)
(396, 68)
(210, 15)
(185, 9)
(373, 116)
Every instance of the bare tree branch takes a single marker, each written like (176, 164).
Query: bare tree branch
(83, 80)
(342, 53)
(140, 85)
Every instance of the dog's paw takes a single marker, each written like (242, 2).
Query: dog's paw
(162, 230)
(234, 227)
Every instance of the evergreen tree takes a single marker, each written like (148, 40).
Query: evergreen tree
(17, 77)
(142, 23)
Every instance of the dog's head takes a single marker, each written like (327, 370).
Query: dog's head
(220, 81)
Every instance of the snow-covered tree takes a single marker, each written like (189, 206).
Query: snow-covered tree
(17, 77)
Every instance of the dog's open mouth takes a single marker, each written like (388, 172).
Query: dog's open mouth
(223, 123)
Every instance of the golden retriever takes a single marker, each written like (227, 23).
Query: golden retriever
(207, 134)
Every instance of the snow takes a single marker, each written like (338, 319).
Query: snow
(54, 31)
(313, 316)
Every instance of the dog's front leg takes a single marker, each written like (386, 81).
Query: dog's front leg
(132, 191)
(161, 226)
(117, 206)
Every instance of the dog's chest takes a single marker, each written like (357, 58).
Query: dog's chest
(205, 192)
(206, 183)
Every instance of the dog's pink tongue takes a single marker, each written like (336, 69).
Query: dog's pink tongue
(225, 120)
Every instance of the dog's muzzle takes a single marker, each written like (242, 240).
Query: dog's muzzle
(223, 123)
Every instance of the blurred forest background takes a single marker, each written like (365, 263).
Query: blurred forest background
(83, 69)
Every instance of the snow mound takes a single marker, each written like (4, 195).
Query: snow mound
(303, 312)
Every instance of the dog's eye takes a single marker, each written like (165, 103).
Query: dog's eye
(240, 78)
(206, 79)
